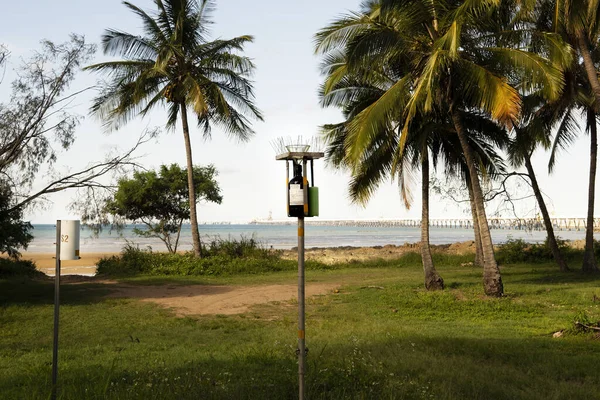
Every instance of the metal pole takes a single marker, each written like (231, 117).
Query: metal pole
(287, 184)
(56, 310)
(301, 334)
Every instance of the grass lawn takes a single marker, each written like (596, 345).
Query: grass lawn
(399, 342)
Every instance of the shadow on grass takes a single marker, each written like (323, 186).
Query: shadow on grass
(546, 277)
(410, 367)
(27, 291)
(35, 292)
(166, 280)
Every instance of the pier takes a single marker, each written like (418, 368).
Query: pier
(531, 224)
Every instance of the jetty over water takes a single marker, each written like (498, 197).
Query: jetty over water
(530, 224)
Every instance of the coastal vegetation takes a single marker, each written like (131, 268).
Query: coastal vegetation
(248, 256)
(465, 90)
(468, 90)
(392, 65)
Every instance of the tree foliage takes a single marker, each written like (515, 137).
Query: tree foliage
(436, 62)
(36, 122)
(159, 200)
(14, 232)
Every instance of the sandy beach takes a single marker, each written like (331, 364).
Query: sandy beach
(86, 265)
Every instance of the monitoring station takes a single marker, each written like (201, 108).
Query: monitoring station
(302, 202)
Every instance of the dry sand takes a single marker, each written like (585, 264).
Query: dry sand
(46, 263)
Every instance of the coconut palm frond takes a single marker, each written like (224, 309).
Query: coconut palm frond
(565, 136)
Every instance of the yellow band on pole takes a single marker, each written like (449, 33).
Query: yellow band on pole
(300, 334)
(300, 232)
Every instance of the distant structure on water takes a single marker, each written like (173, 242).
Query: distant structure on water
(530, 224)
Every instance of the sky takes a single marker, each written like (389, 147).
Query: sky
(286, 83)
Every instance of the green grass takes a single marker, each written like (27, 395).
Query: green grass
(399, 342)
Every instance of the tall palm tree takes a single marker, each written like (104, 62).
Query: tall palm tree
(456, 65)
(176, 65)
(522, 148)
(565, 116)
(528, 24)
(353, 93)
(485, 138)
(577, 23)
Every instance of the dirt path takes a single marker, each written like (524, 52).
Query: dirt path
(202, 299)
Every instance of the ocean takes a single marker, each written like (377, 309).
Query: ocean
(283, 236)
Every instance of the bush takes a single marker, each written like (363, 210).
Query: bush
(237, 257)
(245, 247)
(220, 258)
(10, 268)
(518, 250)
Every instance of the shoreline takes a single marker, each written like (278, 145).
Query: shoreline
(86, 265)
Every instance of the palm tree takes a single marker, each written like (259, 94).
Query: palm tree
(564, 114)
(523, 146)
(577, 23)
(456, 65)
(176, 65)
(353, 93)
(485, 138)
(529, 27)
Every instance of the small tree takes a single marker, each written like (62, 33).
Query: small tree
(160, 200)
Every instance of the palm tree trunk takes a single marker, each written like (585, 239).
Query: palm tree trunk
(589, 259)
(478, 248)
(433, 281)
(492, 280)
(191, 189)
(590, 68)
(558, 257)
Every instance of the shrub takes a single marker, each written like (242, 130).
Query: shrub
(244, 247)
(518, 250)
(221, 258)
(236, 257)
(10, 268)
